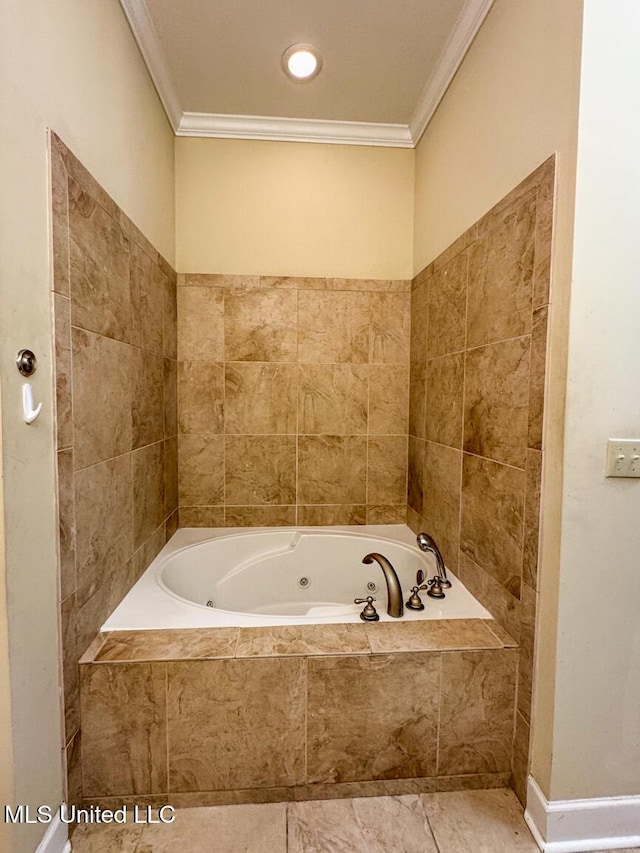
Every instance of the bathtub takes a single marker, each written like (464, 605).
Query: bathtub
(221, 577)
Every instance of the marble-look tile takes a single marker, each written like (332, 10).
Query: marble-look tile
(106, 837)
(520, 758)
(73, 770)
(503, 606)
(59, 220)
(327, 515)
(201, 470)
(101, 398)
(70, 674)
(170, 475)
(447, 302)
(478, 822)
(501, 633)
(333, 327)
(492, 519)
(260, 516)
(66, 524)
(147, 403)
(260, 398)
(496, 401)
(417, 398)
(297, 283)
(260, 469)
(201, 516)
(455, 249)
(544, 231)
(415, 487)
(532, 518)
(372, 717)
(473, 782)
(93, 614)
(200, 397)
(236, 724)
(147, 285)
(170, 317)
(388, 399)
(501, 278)
(332, 469)
(537, 377)
(85, 180)
(62, 344)
(200, 324)
(303, 640)
(171, 525)
(221, 280)
(372, 285)
(528, 608)
(333, 399)
(261, 325)
(232, 829)
(386, 514)
(431, 635)
(177, 644)
(104, 523)
(170, 398)
(371, 788)
(476, 686)
(387, 469)
(390, 328)
(99, 264)
(376, 825)
(420, 319)
(124, 735)
(441, 498)
(148, 551)
(444, 394)
(148, 491)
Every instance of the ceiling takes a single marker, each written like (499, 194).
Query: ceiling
(386, 64)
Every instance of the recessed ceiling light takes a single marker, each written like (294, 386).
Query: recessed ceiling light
(301, 62)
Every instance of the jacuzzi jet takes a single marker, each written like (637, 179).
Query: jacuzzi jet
(372, 586)
(304, 582)
(211, 603)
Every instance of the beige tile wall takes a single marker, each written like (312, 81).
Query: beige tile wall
(116, 413)
(300, 712)
(292, 400)
(478, 347)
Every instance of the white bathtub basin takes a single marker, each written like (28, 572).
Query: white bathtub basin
(252, 576)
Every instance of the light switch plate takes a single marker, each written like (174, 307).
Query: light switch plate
(623, 457)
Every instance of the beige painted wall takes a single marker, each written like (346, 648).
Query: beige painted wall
(513, 103)
(284, 208)
(598, 670)
(73, 66)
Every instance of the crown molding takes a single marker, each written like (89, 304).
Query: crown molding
(464, 32)
(305, 130)
(144, 32)
(295, 130)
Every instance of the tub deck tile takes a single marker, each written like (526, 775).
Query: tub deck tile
(277, 641)
(432, 635)
(191, 644)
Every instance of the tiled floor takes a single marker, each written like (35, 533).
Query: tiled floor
(456, 822)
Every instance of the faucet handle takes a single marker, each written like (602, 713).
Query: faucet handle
(369, 614)
(415, 602)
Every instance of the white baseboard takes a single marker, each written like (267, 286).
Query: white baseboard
(56, 838)
(578, 826)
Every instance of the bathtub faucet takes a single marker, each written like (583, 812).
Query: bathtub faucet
(427, 543)
(395, 607)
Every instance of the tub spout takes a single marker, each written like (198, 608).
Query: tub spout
(427, 543)
(395, 606)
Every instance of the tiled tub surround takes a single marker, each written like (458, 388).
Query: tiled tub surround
(116, 413)
(228, 715)
(293, 400)
(478, 347)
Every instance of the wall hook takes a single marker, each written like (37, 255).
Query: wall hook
(30, 413)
